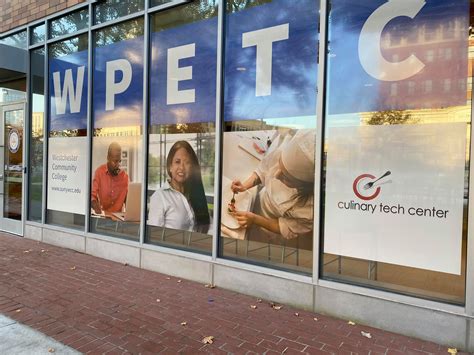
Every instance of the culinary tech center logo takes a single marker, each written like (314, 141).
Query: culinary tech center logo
(365, 186)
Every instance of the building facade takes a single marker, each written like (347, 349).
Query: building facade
(315, 153)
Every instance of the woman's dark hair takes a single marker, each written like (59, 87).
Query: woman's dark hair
(193, 187)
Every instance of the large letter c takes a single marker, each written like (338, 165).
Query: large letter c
(370, 53)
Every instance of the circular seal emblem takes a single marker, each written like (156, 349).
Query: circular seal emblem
(14, 140)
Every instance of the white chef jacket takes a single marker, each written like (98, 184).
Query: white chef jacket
(278, 201)
(169, 208)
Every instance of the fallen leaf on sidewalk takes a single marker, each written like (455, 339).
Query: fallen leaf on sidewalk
(253, 306)
(184, 323)
(351, 323)
(209, 286)
(452, 350)
(208, 340)
(51, 350)
(367, 335)
(73, 268)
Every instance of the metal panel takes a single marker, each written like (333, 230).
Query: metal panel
(13, 59)
(470, 225)
(87, 213)
(320, 112)
(219, 132)
(145, 139)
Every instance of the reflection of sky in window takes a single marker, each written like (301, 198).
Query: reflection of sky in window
(343, 120)
(16, 40)
(351, 89)
(129, 104)
(68, 120)
(38, 103)
(294, 62)
(112, 9)
(38, 34)
(296, 122)
(70, 23)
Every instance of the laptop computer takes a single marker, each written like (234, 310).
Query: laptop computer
(132, 204)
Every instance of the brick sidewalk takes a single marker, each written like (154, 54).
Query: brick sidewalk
(98, 306)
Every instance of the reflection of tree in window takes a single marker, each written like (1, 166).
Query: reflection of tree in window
(237, 5)
(113, 9)
(70, 23)
(391, 117)
(16, 40)
(69, 46)
(178, 16)
(127, 30)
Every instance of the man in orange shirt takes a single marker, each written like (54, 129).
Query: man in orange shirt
(110, 183)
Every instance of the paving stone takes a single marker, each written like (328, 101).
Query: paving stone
(102, 307)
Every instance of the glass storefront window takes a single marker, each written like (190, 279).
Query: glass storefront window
(269, 137)
(69, 23)
(162, 2)
(114, 9)
(15, 40)
(67, 133)
(38, 34)
(181, 151)
(396, 147)
(36, 136)
(117, 158)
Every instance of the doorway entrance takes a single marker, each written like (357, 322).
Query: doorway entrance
(11, 168)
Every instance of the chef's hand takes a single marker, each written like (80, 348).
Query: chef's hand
(96, 206)
(244, 218)
(237, 186)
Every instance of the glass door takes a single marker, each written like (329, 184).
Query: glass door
(11, 168)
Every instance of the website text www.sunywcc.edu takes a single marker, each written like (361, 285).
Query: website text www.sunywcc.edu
(66, 189)
(397, 209)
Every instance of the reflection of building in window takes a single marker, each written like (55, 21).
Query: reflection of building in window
(117, 131)
(429, 55)
(447, 85)
(37, 123)
(448, 29)
(445, 53)
(427, 86)
(250, 125)
(393, 89)
(441, 46)
(448, 115)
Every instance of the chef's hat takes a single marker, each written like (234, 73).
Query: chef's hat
(298, 155)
